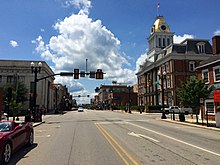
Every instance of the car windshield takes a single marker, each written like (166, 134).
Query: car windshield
(5, 126)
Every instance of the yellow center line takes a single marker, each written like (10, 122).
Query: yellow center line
(100, 129)
(107, 136)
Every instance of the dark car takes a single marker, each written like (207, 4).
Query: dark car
(13, 136)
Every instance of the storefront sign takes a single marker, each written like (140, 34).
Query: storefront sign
(216, 96)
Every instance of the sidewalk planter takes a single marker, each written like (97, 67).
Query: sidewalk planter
(217, 119)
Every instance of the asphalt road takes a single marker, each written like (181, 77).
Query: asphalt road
(112, 138)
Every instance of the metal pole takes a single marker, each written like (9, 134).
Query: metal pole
(162, 90)
(129, 101)
(35, 94)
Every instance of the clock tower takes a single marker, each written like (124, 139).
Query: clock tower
(160, 37)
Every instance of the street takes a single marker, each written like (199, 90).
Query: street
(105, 137)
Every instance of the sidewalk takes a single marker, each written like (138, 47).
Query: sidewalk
(192, 122)
(188, 120)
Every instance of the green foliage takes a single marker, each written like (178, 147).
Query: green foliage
(19, 96)
(191, 91)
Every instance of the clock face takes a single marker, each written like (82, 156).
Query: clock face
(163, 27)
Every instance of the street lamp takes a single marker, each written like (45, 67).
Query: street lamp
(35, 69)
(162, 77)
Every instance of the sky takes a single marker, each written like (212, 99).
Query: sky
(110, 34)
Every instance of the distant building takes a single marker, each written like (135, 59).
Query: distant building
(209, 71)
(116, 95)
(176, 61)
(12, 71)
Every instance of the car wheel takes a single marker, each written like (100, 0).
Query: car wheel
(6, 155)
(31, 139)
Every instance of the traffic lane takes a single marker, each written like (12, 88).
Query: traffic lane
(73, 139)
(143, 150)
(208, 139)
(197, 153)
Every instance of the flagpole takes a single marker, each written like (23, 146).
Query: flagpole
(158, 6)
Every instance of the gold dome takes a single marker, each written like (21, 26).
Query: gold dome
(160, 25)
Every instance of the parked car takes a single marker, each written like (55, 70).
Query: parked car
(13, 136)
(178, 110)
(4, 116)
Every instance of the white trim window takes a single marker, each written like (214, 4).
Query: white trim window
(191, 66)
(168, 81)
(205, 75)
(168, 67)
(216, 73)
(201, 47)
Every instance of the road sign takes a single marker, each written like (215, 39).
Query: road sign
(216, 96)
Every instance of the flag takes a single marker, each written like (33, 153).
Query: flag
(158, 5)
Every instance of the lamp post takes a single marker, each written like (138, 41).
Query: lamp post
(35, 69)
(129, 99)
(162, 77)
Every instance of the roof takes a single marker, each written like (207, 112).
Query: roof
(212, 60)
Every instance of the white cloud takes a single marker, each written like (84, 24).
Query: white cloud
(83, 5)
(13, 43)
(217, 32)
(80, 38)
(178, 39)
(140, 61)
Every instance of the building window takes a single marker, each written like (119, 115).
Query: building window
(168, 81)
(216, 73)
(205, 75)
(191, 66)
(168, 41)
(164, 42)
(0, 78)
(201, 47)
(159, 41)
(10, 79)
(209, 105)
(167, 67)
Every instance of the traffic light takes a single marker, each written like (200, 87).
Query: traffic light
(76, 73)
(99, 74)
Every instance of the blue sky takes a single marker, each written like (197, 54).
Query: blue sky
(111, 34)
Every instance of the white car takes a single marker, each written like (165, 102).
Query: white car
(80, 109)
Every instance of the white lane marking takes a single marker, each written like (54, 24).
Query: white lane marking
(158, 133)
(142, 136)
(43, 136)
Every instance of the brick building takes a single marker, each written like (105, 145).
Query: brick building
(115, 95)
(209, 71)
(175, 62)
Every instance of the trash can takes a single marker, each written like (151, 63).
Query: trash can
(182, 117)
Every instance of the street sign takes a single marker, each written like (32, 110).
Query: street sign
(216, 96)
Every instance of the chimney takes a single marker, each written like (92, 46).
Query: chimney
(216, 45)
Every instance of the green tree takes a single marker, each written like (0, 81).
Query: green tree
(190, 93)
(17, 97)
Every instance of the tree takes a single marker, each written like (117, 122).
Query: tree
(14, 97)
(190, 93)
